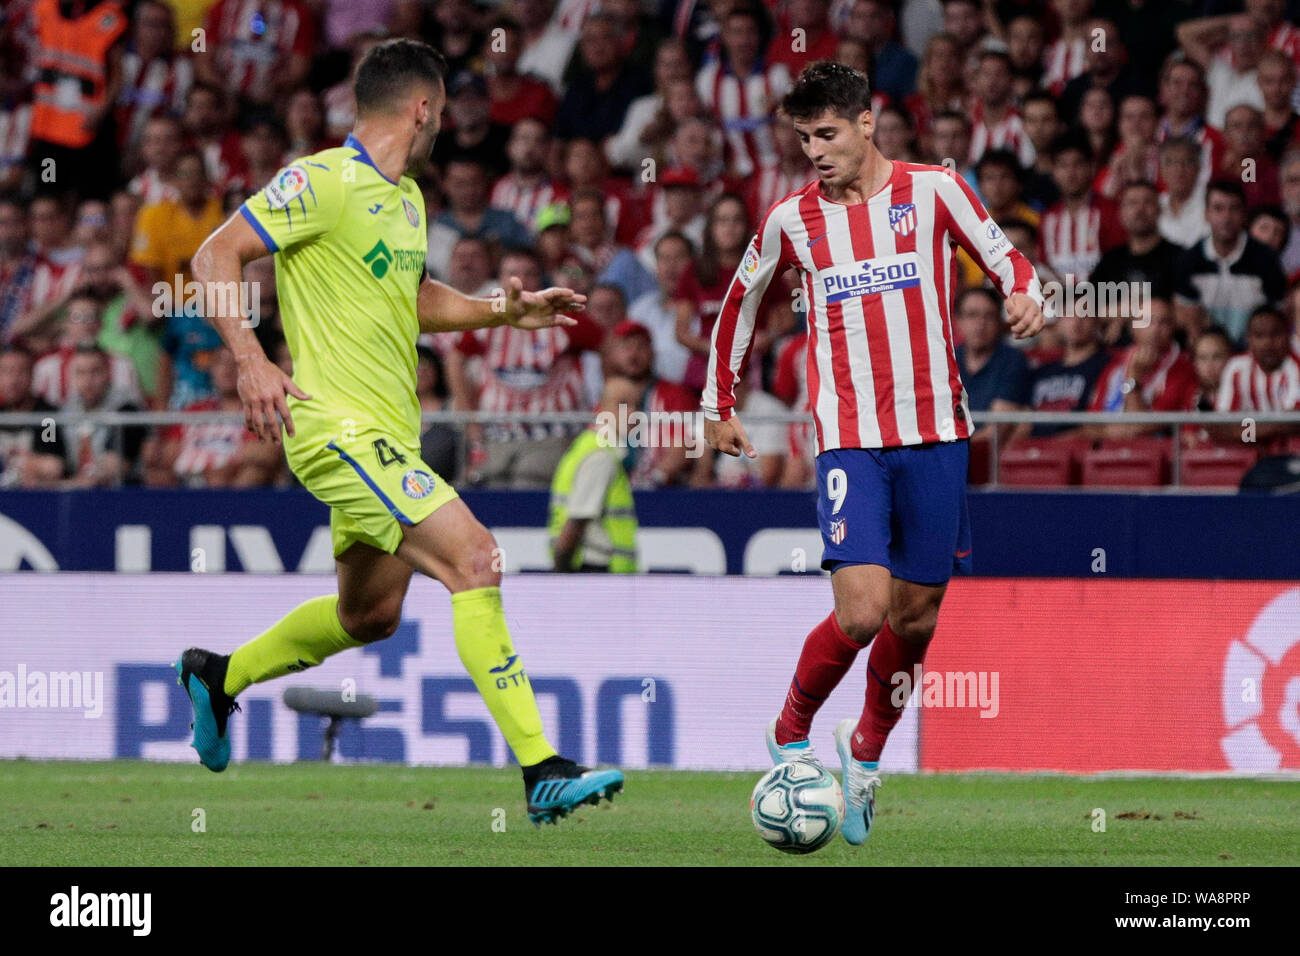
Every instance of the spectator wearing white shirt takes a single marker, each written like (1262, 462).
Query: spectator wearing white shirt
(547, 43)
(655, 310)
(1289, 180)
(1182, 204)
(1229, 49)
(627, 148)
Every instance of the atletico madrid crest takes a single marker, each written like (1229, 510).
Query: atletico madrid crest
(838, 530)
(902, 218)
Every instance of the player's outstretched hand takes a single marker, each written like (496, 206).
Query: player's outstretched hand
(729, 438)
(541, 310)
(1025, 316)
(262, 387)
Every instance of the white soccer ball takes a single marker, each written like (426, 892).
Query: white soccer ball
(797, 807)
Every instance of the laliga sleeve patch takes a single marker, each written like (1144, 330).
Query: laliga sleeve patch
(749, 264)
(287, 186)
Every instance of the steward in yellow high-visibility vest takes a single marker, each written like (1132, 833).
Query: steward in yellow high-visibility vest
(592, 523)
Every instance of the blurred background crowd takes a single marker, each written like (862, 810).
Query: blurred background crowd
(627, 149)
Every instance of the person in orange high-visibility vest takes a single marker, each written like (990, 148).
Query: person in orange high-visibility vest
(77, 53)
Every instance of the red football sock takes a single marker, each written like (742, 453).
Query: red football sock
(890, 655)
(827, 655)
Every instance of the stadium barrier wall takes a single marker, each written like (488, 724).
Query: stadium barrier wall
(1016, 534)
(677, 671)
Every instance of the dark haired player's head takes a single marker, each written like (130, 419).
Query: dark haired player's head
(830, 105)
(400, 90)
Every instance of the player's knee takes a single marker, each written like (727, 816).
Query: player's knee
(374, 623)
(860, 622)
(481, 563)
(916, 627)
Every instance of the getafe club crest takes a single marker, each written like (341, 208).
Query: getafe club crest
(902, 218)
(417, 484)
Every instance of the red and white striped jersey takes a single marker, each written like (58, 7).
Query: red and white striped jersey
(1073, 240)
(254, 38)
(1007, 133)
(1245, 387)
(51, 281)
(1286, 37)
(1063, 60)
(15, 136)
(878, 281)
(743, 107)
(150, 188)
(523, 199)
(570, 15)
(156, 88)
(773, 183)
(1109, 182)
(207, 446)
(531, 371)
(52, 377)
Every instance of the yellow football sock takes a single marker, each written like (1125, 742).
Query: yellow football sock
(483, 642)
(302, 638)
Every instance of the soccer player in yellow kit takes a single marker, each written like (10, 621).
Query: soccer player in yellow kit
(347, 229)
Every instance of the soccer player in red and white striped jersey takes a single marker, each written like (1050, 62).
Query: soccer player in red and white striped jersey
(872, 241)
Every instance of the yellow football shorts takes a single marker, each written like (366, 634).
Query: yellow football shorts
(373, 482)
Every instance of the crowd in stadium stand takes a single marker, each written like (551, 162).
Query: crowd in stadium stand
(627, 149)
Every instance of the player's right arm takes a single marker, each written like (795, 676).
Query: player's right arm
(302, 203)
(768, 254)
(219, 264)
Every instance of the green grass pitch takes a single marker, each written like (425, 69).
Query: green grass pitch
(131, 813)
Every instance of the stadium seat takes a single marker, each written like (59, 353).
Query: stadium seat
(1216, 466)
(1131, 463)
(1038, 462)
